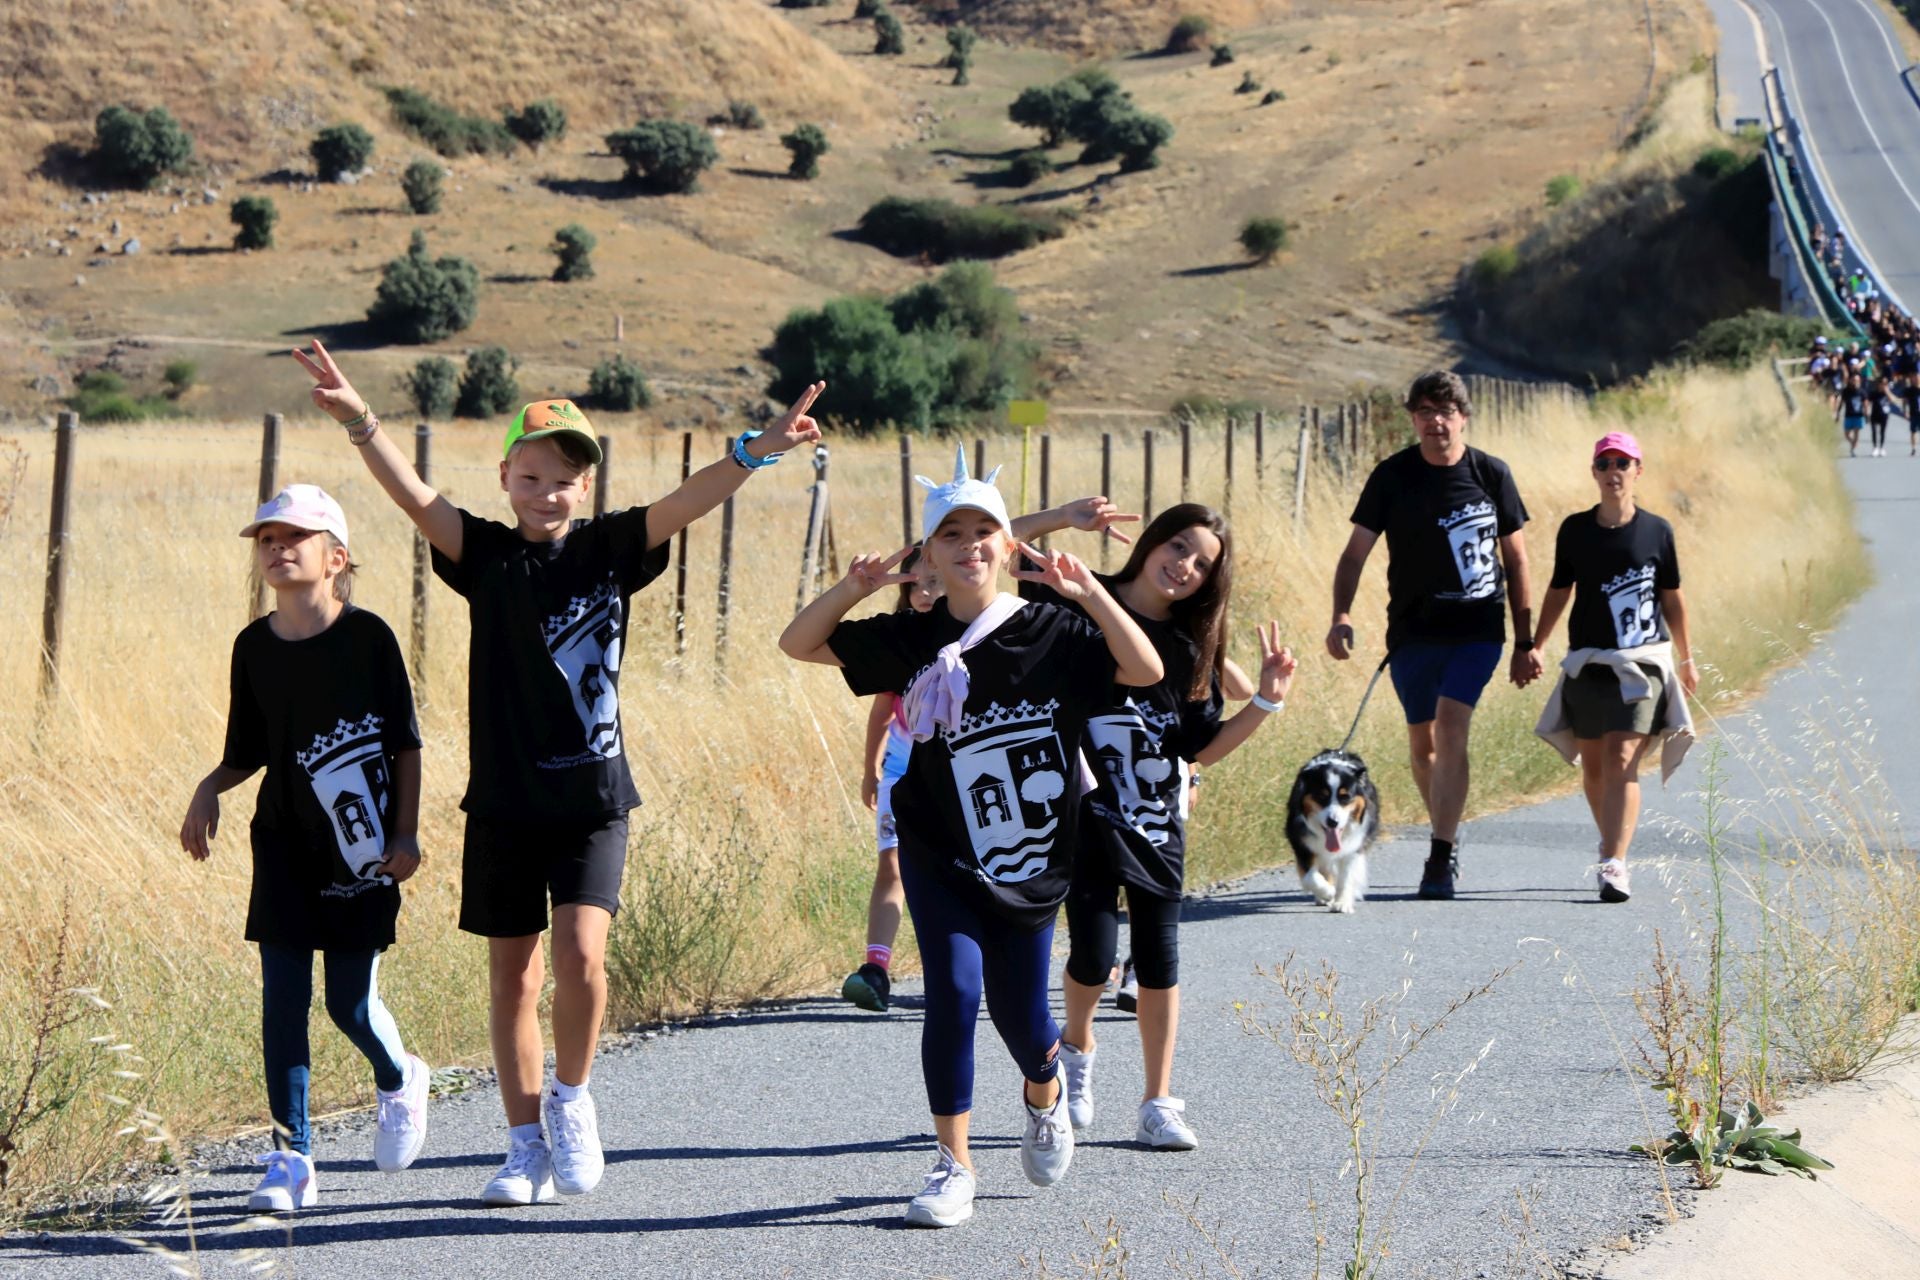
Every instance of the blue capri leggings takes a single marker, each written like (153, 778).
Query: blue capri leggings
(353, 1002)
(965, 954)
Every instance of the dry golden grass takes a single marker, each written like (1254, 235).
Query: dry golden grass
(94, 784)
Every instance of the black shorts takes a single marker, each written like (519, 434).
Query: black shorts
(509, 869)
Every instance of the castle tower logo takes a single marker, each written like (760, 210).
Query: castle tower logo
(584, 641)
(1473, 538)
(1631, 603)
(348, 771)
(1128, 748)
(1011, 775)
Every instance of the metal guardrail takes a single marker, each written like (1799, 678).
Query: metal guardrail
(1779, 177)
(1803, 182)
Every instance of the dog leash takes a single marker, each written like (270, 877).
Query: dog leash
(1364, 699)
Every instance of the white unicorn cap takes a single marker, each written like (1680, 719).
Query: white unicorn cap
(963, 492)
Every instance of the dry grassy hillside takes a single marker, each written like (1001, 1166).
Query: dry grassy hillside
(1105, 26)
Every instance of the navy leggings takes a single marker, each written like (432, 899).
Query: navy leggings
(353, 1002)
(1093, 923)
(964, 954)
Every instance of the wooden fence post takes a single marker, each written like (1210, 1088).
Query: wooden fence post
(1186, 457)
(680, 573)
(979, 458)
(54, 613)
(1300, 470)
(816, 529)
(906, 491)
(1106, 486)
(601, 475)
(269, 485)
(1227, 498)
(1046, 470)
(1146, 473)
(1259, 448)
(422, 564)
(724, 603)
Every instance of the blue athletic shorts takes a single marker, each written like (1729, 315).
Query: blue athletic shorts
(1425, 671)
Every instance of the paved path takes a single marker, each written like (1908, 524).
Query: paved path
(1741, 59)
(784, 1141)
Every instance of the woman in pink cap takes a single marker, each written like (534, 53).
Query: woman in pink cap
(1629, 664)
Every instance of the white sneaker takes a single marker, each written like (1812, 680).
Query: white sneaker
(1614, 884)
(1076, 1069)
(288, 1184)
(1163, 1125)
(526, 1177)
(574, 1130)
(947, 1198)
(1046, 1148)
(403, 1120)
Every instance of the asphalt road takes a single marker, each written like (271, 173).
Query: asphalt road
(1841, 64)
(1741, 60)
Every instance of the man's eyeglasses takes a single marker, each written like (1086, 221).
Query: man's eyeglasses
(1612, 464)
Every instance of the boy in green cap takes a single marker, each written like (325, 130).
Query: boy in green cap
(548, 787)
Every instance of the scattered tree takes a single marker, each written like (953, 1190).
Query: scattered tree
(432, 387)
(1190, 33)
(1028, 168)
(538, 122)
(617, 383)
(807, 143)
(424, 299)
(1048, 108)
(1248, 84)
(1263, 238)
(1272, 96)
(665, 155)
(890, 38)
(960, 42)
(138, 147)
(422, 185)
(255, 216)
(573, 244)
(867, 9)
(1137, 140)
(340, 149)
(488, 386)
(1222, 55)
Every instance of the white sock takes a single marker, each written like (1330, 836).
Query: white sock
(568, 1092)
(526, 1132)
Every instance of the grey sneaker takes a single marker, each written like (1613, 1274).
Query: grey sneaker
(1046, 1148)
(1076, 1068)
(1614, 883)
(1163, 1125)
(574, 1130)
(525, 1178)
(947, 1198)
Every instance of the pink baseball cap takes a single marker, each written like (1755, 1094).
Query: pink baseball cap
(1617, 442)
(304, 506)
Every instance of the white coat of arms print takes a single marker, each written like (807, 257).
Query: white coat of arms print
(584, 642)
(1011, 775)
(348, 771)
(1127, 746)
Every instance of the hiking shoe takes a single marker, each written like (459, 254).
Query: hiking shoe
(1614, 885)
(947, 1198)
(1046, 1148)
(403, 1120)
(867, 987)
(574, 1131)
(1436, 878)
(287, 1185)
(1127, 997)
(526, 1177)
(1077, 1069)
(1163, 1127)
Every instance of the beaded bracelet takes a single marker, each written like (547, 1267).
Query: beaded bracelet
(365, 434)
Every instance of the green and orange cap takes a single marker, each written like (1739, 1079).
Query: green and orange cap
(545, 418)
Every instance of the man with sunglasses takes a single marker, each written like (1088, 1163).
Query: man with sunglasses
(1628, 649)
(1452, 519)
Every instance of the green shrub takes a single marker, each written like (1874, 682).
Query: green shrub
(100, 382)
(1137, 139)
(1716, 163)
(1222, 55)
(1028, 168)
(941, 230)
(255, 216)
(1190, 33)
(889, 37)
(806, 144)
(1262, 238)
(1272, 96)
(488, 386)
(1495, 265)
(804, 4)
(538, 123)
(1561, 188)
(139, 147)
(1048, 108)
(180, 375)
(445, 130)
(1746, 339)
(960, 42)
(739, 115)
(867, 9)
(424, 299)
(574, 246)
(101, 395)
(1247, 84)
(665, 155)
(432, 387)
(340, 149)
(422, 185)
(617, 383)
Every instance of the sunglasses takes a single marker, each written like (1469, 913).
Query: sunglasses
(1612, 464)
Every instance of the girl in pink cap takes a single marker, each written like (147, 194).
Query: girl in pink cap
(320, 700)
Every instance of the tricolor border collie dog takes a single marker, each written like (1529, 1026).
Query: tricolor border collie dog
(1331, 819)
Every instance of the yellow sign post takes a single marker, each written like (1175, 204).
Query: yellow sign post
(1026, 414)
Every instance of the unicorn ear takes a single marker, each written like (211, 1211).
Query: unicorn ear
(959, 464)
(922, 480)
(992, 474)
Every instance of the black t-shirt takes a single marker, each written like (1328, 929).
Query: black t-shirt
(994, 809)
(1617, 576)
(549, 625)
(1443, 526)
(324, 716)
(1134, 826)
(1855, 404)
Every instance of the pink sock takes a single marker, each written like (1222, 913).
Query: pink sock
(877, 954)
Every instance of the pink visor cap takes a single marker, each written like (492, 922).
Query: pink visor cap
(1617, 442)
(303, 506)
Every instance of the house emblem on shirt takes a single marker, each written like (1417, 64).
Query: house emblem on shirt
(989, 801)
(352, 820)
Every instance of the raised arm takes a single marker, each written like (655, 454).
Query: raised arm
(714, 483)
(1092, 515)
(1136, 661)
(806, 636)
(1277, 665)
(432, 514)
(1346, 583)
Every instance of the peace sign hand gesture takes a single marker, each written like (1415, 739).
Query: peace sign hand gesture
(1066, 574)
(1277, 664)
(332, 393)
(1098, 515)
(867, 574)
(793, 429)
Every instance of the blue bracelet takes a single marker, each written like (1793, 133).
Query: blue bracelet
(742, 458)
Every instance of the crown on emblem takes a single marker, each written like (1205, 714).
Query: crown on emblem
(996, 716)
(1634, 577)
(343, 731)
(1472, 511)
(577, 608)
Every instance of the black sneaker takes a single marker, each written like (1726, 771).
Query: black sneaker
(1436, 879)
(867, 987)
